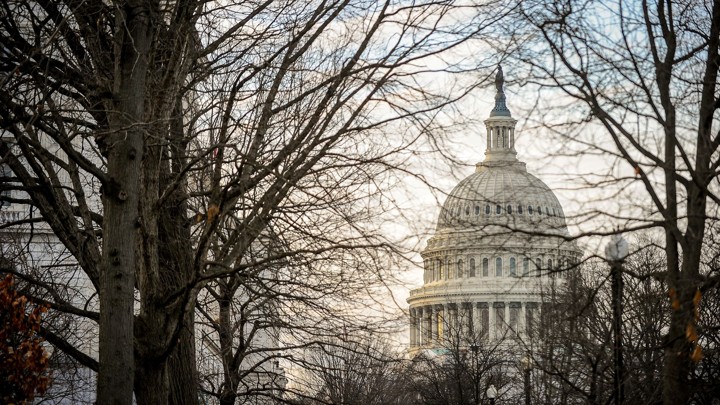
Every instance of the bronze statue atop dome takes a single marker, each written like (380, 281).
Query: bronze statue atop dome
(500, 109)
(499, 80)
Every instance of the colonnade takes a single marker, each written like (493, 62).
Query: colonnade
(500, 134)
(485, 320)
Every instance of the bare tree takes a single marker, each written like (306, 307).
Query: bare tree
(644, 74)
(354, 369)
(574, 360)
(462, 367)
(274, 313)
(182, 115)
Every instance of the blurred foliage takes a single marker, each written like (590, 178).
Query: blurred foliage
(23, 374)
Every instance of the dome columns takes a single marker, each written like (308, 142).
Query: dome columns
(473, 321)
(414, 327)
(500, 139)
(500, 134)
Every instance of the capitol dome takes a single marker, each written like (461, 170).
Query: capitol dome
(502, 195)
(501, 239)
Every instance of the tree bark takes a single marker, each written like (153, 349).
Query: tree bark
(120, 201)
(151, 382)
(231, 378)
(175, 251)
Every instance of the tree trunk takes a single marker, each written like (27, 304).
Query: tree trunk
(120, 204)
(182, 368)
(176, 254)
(153, 333)
(151, 382)
(228, 395)
(677, 357)
(617, 309)
(678, 362)
(165, 326)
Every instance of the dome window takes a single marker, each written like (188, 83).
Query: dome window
(498, 267)
(547, 211)
(498, 209)
(509, 209)
(530, 210)
(467, 211)
(477, 210)
(538, 264)
(449, 269)
(485, 267)
(460, 269)
(519, 209)
(472, 267)
(539, 210)
(513, 267)
(438, 269)
(554, 213)
(487, 209)
(526, 266)
(550, 267)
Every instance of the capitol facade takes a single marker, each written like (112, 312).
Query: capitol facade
(501, 241)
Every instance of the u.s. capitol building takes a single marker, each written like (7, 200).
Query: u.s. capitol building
(501, 238)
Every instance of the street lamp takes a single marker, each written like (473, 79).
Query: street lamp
(527, 364)
(616, 251)
(491, 394)
(475, 349)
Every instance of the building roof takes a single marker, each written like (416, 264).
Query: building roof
(502, 195)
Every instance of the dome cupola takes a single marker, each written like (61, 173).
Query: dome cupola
(500, 127)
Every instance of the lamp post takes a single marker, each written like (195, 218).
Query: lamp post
(616, 251)
(526, 363)
(491, 394)
(474, 348)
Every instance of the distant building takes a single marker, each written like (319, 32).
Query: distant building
(51, 273)
(501, 237)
